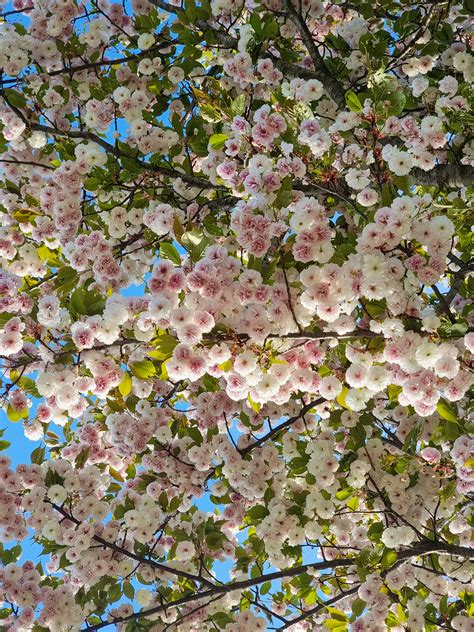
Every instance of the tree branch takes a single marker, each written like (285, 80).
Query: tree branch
(194, 181)
(282, 426)
(443, 303)
(134, 556)
(444, 176)
(109, 62)
(415, 551)
(227, 41)
(332, 85)
(320, 607)
(226, 588)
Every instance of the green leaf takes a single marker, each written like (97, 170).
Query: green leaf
(270, 28)
(4, 318)
(143, 370)
(324, 370)
(335, 625)
(116, 475)
(28, 385)
(393, 392)
(77, 301)
(15, 98)
(468, 6)
(95, 303)
(448, 330)
(85, 302)
(353, 102)
(265, 588)
(195, 242)
(443, 605)
(92, 184)
(214, 540)
(11, 555)
(387, 197)
(353, 503)
(358, 606)
(401, 612)
(375, 532)
(128, 590)
(446, 411)
(37, 456)
(392, 620)
(217, 141)
(283, 198)
(131, 165)
(163, 346)
(343, 494)
(115, 405)
(168, 251)
(388, 559)
(254, 405)
(256, 23)
(125, 386)
(402, 183)
(341, 398)
(210, 383)
(310, 597)
(358, 434)
(81, 458)
(452, 431)
(221, 619)
(411, 440)
(15, 415)
(258, 512)
(115, 592)
(397, 102)
(337, 614)
(66, 280)
(238, 105)
(195, 435)
(376, 308)
(4, 445)
(210, 113)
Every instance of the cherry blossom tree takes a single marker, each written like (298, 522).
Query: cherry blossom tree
(235, 312)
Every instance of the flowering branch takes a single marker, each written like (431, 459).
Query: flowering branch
(286, 424)
(138, 558)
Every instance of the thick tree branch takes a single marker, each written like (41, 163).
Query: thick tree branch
(457, 276)
(227, 41)
(444, 176)
(435, 546)
(332, 85)
(324, 335)
(165, 6)
(102, 63)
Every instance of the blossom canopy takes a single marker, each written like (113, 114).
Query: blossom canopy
(236, 315)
